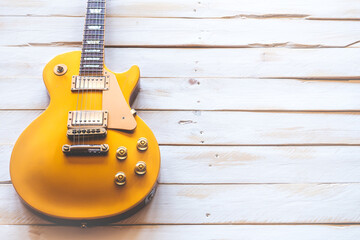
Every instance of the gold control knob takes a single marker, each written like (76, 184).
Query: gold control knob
(60, 69)
(121, 153)
(140, 168)
(142, 144)
(120, 178)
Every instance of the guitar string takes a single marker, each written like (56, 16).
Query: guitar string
(102, 41)
(84, 68)
(92, 114)
(97, 23)
(78, 82)
(83, 82)
(98, 38)
(89, 45)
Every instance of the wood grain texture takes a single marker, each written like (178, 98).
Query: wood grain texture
(157, 32)
(226, 204)
(310, 9)
(220, 165)
(215, 62)
(210, 94)
(230, 88)
(161, 232)
(226, 128)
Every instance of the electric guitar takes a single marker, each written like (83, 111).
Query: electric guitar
(88, 156)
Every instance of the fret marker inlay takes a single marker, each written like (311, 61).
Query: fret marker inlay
(94, 27)
(92, 50)
(92, 59)
(94, 10)
(91, 66)
(93, 42)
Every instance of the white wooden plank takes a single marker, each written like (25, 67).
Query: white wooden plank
(5, 153)
(182, 164)
(259, 164)
(226, 204)
(180, 232)
(191, 8)
(179, 62)
(184, 32)
(209, 94)
(226, 128)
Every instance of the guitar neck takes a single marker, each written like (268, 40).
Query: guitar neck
(92, 56)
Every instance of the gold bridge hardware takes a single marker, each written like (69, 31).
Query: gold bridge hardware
(86, 132)
(79, 83)
(87, 119)
(85, 149)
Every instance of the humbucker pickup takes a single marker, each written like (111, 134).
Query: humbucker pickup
(87, 119)
(80, 83)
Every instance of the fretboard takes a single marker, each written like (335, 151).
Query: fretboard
(92, 55)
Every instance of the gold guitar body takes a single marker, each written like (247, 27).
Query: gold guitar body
(81, 188)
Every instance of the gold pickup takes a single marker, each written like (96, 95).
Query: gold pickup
(87, 119)
(80, 83)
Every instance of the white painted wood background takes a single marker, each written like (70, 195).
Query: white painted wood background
(255, 104)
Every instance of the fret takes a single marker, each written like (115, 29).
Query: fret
(92, 54)
(92, 70)
(93, 31)
(85, 63)
(85, 56)
(92, 60)
(93, 36)
(96, 15)
(92, 73)
(92, 47)
(95, 22)
(102, 19)
(96, 6)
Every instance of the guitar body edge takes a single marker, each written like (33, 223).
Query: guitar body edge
(81, 188)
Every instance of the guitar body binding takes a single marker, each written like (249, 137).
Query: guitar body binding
(78, 188)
